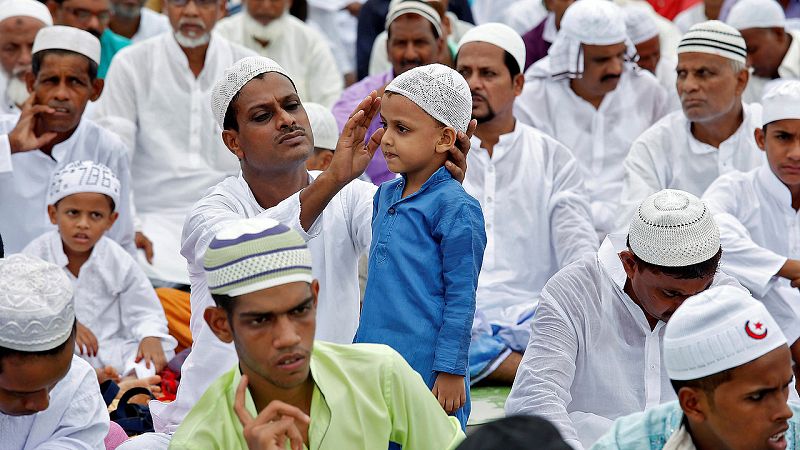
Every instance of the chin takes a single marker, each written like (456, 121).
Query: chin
(61, 126)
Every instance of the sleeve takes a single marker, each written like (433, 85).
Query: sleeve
(641, 179)
(361, 204)
(116, 109)
(325, 86)
(123, 231)
(141, 309)
(5, 154)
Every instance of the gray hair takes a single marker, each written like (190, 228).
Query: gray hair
(737, 66)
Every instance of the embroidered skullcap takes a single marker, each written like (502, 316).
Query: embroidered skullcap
(417, 7)
(673, 228)
(440, 91)
(323, 126)
(83, 176)
(781, 102)
(640, 24)
(715, 38)
(499, 35)
(234, 79)
(254, 254)
(719, 329)
(68, 38)
(747, 14)
(36, 309)
(591, 22)
(25, 8)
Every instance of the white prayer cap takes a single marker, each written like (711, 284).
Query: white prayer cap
(756, 14)
(673, 228)
(25, 8)
(68, 38)
(323, 126)
(715, 38)
(781, 102)
(440, 91)
(716, 330)
(234, 79)
(417, 7)
(640, 24)
(83, 176)
(500, 35)
(36, 309)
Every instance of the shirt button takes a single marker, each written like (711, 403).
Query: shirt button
(391, 211)
(488, 199)
(652, 367)
(491, 168)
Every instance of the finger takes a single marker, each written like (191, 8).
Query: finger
(375, 141)
(45, 139)
(238, 404)
(278, 408)
(373, 110)
(295, 438)
(350, 126)
(148, 359)
(148, 251)
(364, 104)
(35, 110)
(473, 124)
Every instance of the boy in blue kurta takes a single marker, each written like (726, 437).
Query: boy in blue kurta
(428, 236)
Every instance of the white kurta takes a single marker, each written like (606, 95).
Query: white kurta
(25, 179)
(113, 299)
(598, 137)
(667, 156)
(759, 230)
(336, 240)
(788, 70)
(162, 112)
(592, 356)
(76, 419)
(151, 24)
(298, 48)
(339, 28)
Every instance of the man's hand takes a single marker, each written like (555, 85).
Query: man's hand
(352, 155)
(86, 341)
(142, 243)
(449, 389)
(457, 164)
(353, 8)
(276, 424)
(23, 137)
(151, 351)
(791, 271)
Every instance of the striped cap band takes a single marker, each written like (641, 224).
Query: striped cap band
(715, 38)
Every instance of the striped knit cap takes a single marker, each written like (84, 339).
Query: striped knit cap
(715, 38)
(255, 254)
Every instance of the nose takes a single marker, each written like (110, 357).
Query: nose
(616, 65)
(410, 52)
(190, 9)
(474, 81)
(286, 335)
(284, 119)
(783, 412)
(25, 56)
(94, 23)
(38, 401)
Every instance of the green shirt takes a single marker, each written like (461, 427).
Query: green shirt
(365, 396)
(110, 44)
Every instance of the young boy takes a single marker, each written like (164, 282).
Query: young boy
(121, 325)
(326, 134)
(428, 236)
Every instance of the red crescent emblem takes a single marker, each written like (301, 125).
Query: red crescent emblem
(756, 330)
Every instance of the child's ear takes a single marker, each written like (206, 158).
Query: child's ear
(447, 140)
(112, 219)
(51, 213)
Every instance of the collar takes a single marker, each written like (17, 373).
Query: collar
(774, 187)
(57, 249)
(680, 440)
(439, 176)
(701, 148)
(249, 192)
(608, 255)
(549, 32)
(177, 58)
(505, 143)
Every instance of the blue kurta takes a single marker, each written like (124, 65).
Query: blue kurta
(424, 262)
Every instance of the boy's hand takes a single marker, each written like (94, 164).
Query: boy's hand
(86, 341)
(450, 391)
(276, 424)
(457, 164)
(23, 137)
(143, 243)
(150, 350)
(791, 271)
(352, 156)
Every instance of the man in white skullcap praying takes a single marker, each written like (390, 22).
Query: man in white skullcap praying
(48, 396)
(595, 347)
(326, 135)
(588, 95)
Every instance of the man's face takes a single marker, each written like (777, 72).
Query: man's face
(412, 43)
(88, 15)
(127, 9)
(265, 11)
(602, 68)
(194, 20)
(16, 42)
(649, 54)
(708, 86)
(493, 91)
(781, 141)
(765, 50)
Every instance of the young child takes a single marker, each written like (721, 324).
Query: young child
(428, 236)
(121, 326)
(326, 134)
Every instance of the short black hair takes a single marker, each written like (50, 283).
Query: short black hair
(7, 352)
(229, 122)
(508, 59)
(702, 269)
(38, 57)
(224, 301)
(707, 384)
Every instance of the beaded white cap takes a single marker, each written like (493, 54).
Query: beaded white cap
(323, 125)
(781, 102)
(673, 228)
(67, 38)
(640, 24)
(25, 8)
(83, 176)
(747, 14)
(715, 38)
(403, 7)
(500, 35)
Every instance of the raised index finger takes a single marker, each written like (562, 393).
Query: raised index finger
(238, 403)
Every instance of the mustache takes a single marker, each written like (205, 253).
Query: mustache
(411, 62)
(192, 21)
(475, 94)
(58, 104)
(610, 76)
(290, 129)
(17, 72)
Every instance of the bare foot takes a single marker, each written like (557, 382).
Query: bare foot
(153, 384)
(107, 373)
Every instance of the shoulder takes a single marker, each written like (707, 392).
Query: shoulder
(309, 33)
(357, 361)
(41, 245)
(643, 430)
(660, 135)
(106, 142)
(8, 122)
(80, 383)
(228, 25)
(113, 254)
(115, 41)
(577, 286)
(142, 50)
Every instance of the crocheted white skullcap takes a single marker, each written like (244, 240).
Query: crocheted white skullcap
(323, 126)
(234, 79)
(36, 308)
(440, 91)
(403, 7)
(747, 14)
(500, 35)
(715, 38)
(673, 228)
(719, 329)
(67, 38)
(83, 176)
(781, 102)
(640, 24)
(25, 8)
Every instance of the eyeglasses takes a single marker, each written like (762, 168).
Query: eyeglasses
(199, 3)
(84, 15)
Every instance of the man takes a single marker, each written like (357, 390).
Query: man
(92, 16)
(644, 33)
(50, 133)
(130, 19)
(283, 374)
(415, 39)
(19, 22)
(712, 135)
(772, 51)
(528, 185)
(595, 348)
(268, 29)
(48, 396)
(731, 369)
(587, 96)
(157, 99)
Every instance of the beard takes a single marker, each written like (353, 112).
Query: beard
(265, 33)
(489, 115)
(192, 42)
(16, 89)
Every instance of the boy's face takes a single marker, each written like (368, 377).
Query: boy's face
(82, 219)
(781, 141)
(320, 159)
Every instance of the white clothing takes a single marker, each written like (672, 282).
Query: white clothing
(113, 299)
(25, 179)
(788, 70)
(690, 16)
(524, 15)
(598, 137)
(298, 48)
(151, 24)
(680, 440)
(667, 156)
(669, 34)
(77, 417)
(592, 356)
(667, 77)
(485, 11)
(339, 28)
(162, 112)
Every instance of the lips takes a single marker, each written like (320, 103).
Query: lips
(60, 110)
(388, 155)
(81, 238)
(290, 362)
(778, 440)
(291, 137)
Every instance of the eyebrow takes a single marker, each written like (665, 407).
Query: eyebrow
(258, 314)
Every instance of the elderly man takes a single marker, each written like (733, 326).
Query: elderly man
(268, 29)
(20, 20)
(528, 184)
(130, 19)
(157, 100)
(712, 135)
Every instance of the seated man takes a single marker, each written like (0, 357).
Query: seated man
(594, 353)
(731, 368)
(315, 394)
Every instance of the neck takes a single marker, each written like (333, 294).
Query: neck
(716, 131)
(76, 260)
(594, 99)
(489, 132)
(415, 180)
(39, 129)
(702, 438)
(264, 392)
(271, 188)
(124, 26)
(196, 57)
(652, 321)
(712, 10)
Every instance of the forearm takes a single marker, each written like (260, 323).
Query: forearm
(315, 198)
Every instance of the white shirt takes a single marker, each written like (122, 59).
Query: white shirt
(25, 179)
(667, 156)
(592, 356)
(76, 419)
(759, 230)
(691, 16)
(525, 15)
(339, 28)
(301, 50)
(598, 137)
(162, 112)
(113, 299)
(151, 24)
(485, 11)
(788, 70)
